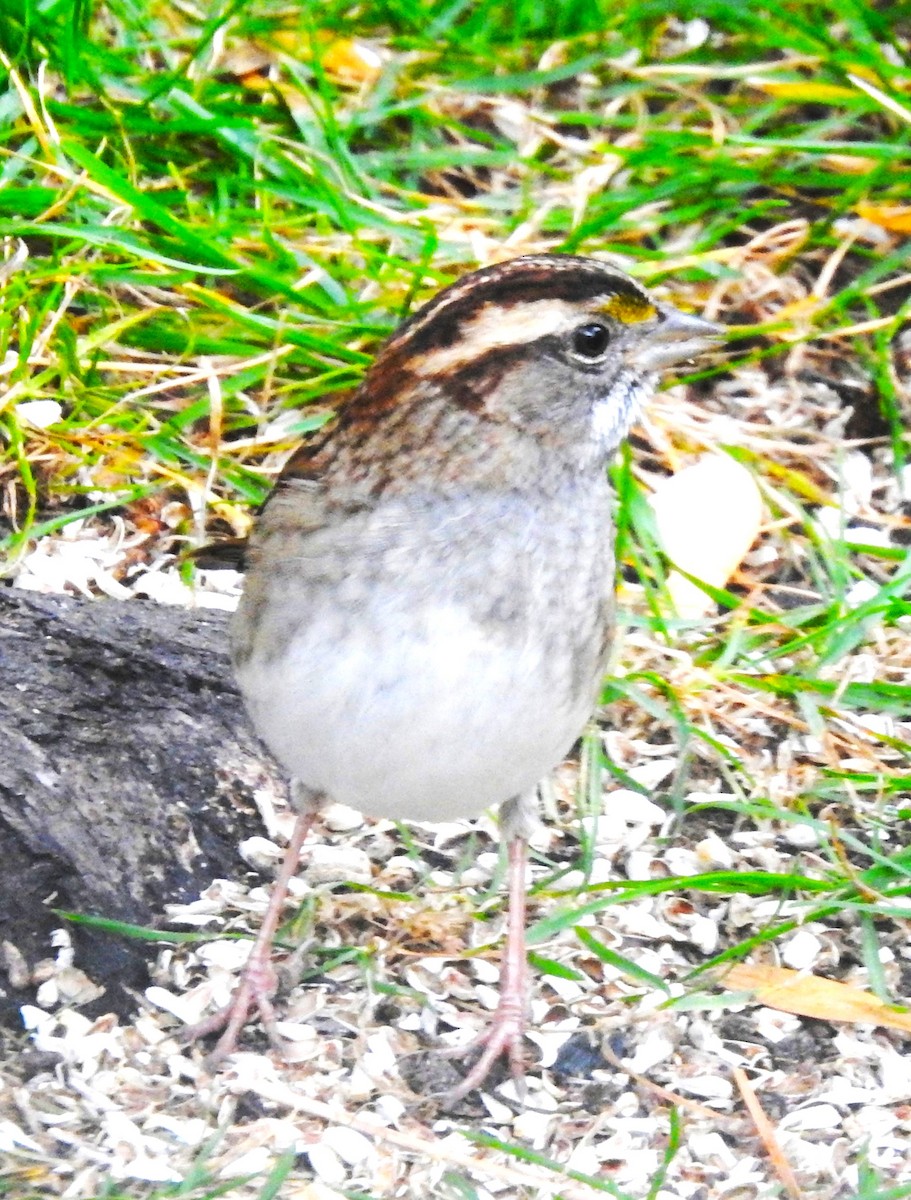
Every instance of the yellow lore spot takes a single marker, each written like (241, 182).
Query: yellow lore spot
(628, 308)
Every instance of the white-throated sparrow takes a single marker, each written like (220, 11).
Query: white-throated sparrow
(429, 601)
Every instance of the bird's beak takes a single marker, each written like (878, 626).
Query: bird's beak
(676, 337)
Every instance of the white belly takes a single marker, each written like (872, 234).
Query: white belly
(435, 721)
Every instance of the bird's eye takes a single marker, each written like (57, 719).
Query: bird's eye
(590, 341)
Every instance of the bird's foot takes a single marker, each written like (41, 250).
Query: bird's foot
(504, 1036)
(506, 1031)
(252, 995)
(258, 983)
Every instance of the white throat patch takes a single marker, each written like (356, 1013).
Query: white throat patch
(612, 417)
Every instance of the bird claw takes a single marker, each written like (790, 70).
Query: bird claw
(506, 1032)
(253, 994)
(258, 983)
(505, 1036)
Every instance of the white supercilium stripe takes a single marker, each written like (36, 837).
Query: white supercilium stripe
(495, 327)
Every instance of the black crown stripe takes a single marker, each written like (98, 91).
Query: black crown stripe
(519, 281)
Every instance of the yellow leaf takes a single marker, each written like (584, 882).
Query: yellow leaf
(347, 60)
(812, 996)
(804, 90)
(794, 481)
(351, 61)
(894, 217)
(806, 306)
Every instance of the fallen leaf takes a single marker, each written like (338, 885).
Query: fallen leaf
(354, 62)
(808, 995)
(708, 516)
(894, 217)
(343, 58)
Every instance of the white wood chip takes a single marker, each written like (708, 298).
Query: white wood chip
(801, 837)
(340, 818)
(681, 860)
(802, 950)
(349, 1145)
(709, 1087)
(327, 863)
(651, 774)
(260, 853)
(40, 414)
(486, 971)
(712, 1148)
(714, 854)
(11, 1137)
(632, 808)
(703, 932)
(146, 1168)
(496, 1110)
(533, 1126)
(641, 864)
(654, 1048)
(815, 1116)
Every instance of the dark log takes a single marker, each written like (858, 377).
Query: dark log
(126, 774)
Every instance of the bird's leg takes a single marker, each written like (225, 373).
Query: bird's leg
(506, 1031)
(258, 982)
